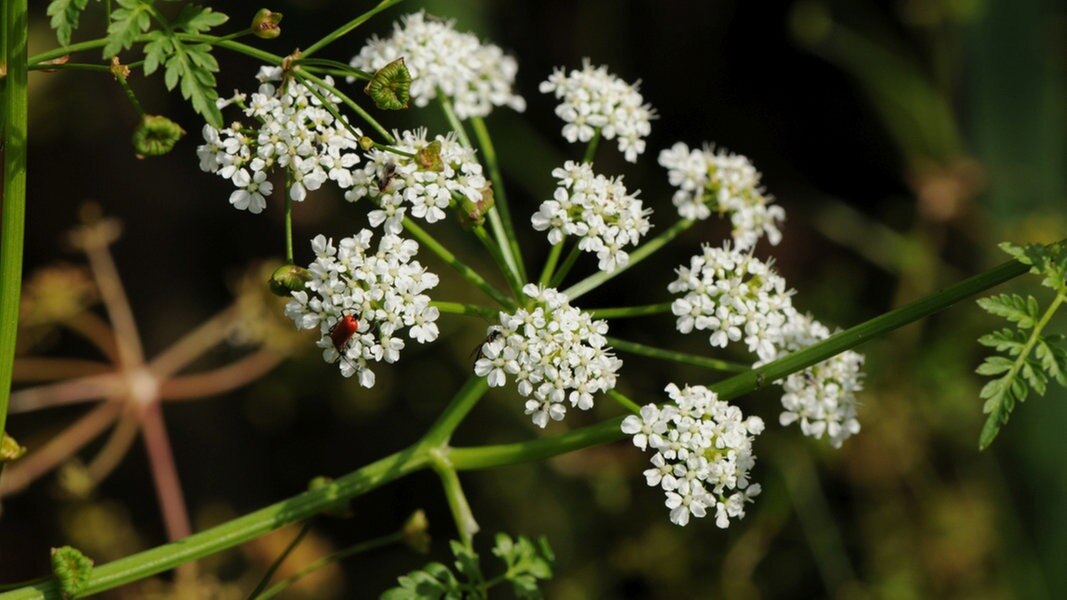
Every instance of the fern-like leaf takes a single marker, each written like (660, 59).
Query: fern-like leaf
(65, 16)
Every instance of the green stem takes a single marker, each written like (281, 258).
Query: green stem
(162, 558)
(425, 239)
(500, 216)
(496, 252)
(338, 67)
(458, 308)
(338, 556)
(288, 219)
(486, 457)
(265, 580)
(453, 119)
(561, 273)
(79, 67)
(631, 311)
(12, 230)
(349, 103)
(590, 150)
(550, 263)
(466, 525)
(646, 250)
(679, 357)
(336, 34)
(462, 403)
(129, 94)
(625, 401)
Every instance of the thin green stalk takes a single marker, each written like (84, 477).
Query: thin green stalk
(501, 211)
(232, 533)
(221, 42)
(466, 525)
(288, 219)
(462, 403)
(342, 69)
(550, 263)
(363, 114)
(129, 94)
(627, 312)
(590, 149)
(497, 253)
(624, 400)
(679, 357)
(336, 34)
(425, 239)
(458, 308)
(274, 566)
(338, 556)
(453, 119)
(646, 250)
(486, 457)
(12, 230)
(568, 263)
(79, 67)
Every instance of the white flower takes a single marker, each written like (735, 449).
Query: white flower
(555, 352)
(703, 453)
(735, 296)
(725, 183)
(474, 75)
(292, 130)
(593, 99)
(382, 290)
(822, 398)
(401, 186)
(598, 210)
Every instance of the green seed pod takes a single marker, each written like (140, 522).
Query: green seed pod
(472, 212)
(341, 509)
(366, 143)
(156, 136)
(417, 532)
(265, 24)
(287, 279)
(429, 157)
(72, 569)
(390, 86)
(10, 449)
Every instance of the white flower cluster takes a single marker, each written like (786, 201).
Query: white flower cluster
(596, 209)
(725, 183)
(421, 185)
(382, 290)
(294, 131)
(703, 453)
(555, 352)
(822, 397)
(735, 296)
(474, 75)
(593, 99)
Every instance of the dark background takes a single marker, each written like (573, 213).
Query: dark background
(859, 114)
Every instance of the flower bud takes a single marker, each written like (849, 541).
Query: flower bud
(417, 532)
(287, 279)
(265, 24)
(72, 569)
(473, 212)
(341, 509)
(156, 136)
(366, 143)
(10, 449)
(429, 157)
(390, 86)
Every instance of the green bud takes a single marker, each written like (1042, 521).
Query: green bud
(473, 212)
(265, 24)
(287, 279)
(417, 532)
(366, 143)
(341, 508)
(429, 157)
(156, 136)
(72, 569)
(10, 449)
(390, 86)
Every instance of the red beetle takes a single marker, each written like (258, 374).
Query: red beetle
(342, 331)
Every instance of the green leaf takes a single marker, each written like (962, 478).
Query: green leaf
(156, 51)
(1015, 308)
(193, 67)
(1053, 357)
(467, 562)
(1005, 340)
(198, 19)
(65, 15)
(995, 365)
(133, 19)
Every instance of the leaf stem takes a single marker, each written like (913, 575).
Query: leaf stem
(466, 525)
(450, 259)
(501, 211)
(590, 149)
(363, 114)
(679, 357)
(625, 401)
(336, 34)
(631, 311)
(550, 264)
(288, 218)
(462, 403)
(565, 268)
(458, 308)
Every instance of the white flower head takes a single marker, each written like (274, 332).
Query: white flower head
(596, 209)
(557, 355)
(441, 60)
(403, 186)
(592, 99)
(734, 296)
(716, 181)
(821, 398)
(381, 289)
(703, 453)
(292, 130)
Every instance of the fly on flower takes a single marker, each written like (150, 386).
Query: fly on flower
(479, 350)
(388, 173)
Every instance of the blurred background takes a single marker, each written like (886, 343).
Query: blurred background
(904, 138)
